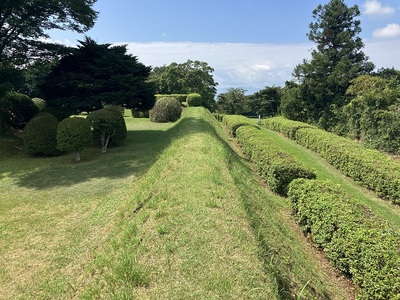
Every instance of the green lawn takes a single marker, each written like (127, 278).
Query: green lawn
(172, 213)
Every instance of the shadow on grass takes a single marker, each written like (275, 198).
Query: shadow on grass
(133, 157)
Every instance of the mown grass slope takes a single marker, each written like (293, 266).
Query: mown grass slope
(173, 213)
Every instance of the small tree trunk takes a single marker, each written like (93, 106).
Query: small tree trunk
(104, 144)
(77, 156)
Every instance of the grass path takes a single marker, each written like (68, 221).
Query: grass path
(173, 213)
(325, 171)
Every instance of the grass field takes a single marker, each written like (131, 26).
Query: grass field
(173, 213)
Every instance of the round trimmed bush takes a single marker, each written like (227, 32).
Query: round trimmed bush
(108, 127)
(40, 135)
(73, 135)
(166, 109)
(194, 99)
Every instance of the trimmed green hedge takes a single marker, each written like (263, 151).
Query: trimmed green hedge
(371, 168)
(194, 99)
(233, 122)
(277, 167)
(361, 245)
(285, 126)
(180, 97)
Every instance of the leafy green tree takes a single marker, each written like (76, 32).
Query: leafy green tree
(73, 135)
(108, 126)
(232, 102)
(189, 77)
(292, 106)
(337, 60)
(265, 102)
(96, 75)
(25, 22)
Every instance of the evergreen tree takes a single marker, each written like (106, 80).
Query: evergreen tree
(337, 60)
(96, 75)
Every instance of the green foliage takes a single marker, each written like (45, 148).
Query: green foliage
(265, 102)
(373, 115)
(108, 127)
(180, 97)
(24, 23)
(277, 167)
(166, 109)
(16, 110)
(285, 126)
(188, 77)
(232, 102)
(40, 135)
(40, 103)
(118, 108)
(369, 167)
(361, 245)
(372, 168)
(194, 99)
(233, 122)
(337, 60)
(73, 135)
(95, 75)
(139, 114)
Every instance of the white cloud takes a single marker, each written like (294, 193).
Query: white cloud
(374, 7)
(390, 31)
(249, 66)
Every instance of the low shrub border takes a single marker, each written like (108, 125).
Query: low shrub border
(277, 167)
(233, 122)
(285, 126)
(371, 168)
(361, 245)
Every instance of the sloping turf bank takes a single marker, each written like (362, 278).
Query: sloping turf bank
(201, 227)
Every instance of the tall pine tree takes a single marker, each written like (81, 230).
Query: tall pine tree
(337, 60)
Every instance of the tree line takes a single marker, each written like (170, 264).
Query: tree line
(338, 89)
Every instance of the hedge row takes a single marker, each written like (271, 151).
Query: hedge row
(277, 167)
(233, 122)
(371, 168)
(361, 245)
(285, 126)
(180, 97)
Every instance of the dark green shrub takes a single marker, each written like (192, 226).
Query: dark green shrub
(73, 135)
(139, 114)
(40, 135)
(118, 108)
(166, 110)
(363, 246)
(194, 99)
(16, 110)
(233, 122)
(108, 126)
(277, 167)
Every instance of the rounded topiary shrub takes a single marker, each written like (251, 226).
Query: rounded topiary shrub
(73, 135)
(108, 127)
(139, 114)
(40, 135)
(166, 109)
(194, 99)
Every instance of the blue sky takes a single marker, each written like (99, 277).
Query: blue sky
(249, 43)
